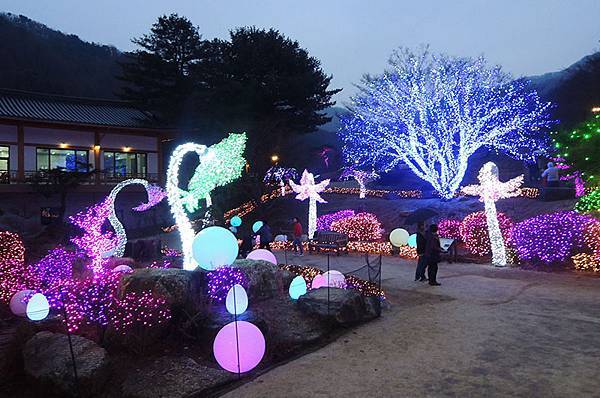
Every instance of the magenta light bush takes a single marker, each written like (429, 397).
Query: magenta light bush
(449, 228)
(224, 278)
(550, 239)
(324, 222)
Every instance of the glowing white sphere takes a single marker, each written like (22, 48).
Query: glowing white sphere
(297, 287)
(281, 238)
(237, 300)
(18, 302)
(412, 240)
(214, 247)
(334, 278)
(123, 268)
(38, 307)
(250, 342)
(256, 226)
(399, 237)
(236, 221)
(262, 254)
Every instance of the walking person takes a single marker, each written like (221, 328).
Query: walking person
(297, 241)
(432, 254)
(421, 260)
(266, 237)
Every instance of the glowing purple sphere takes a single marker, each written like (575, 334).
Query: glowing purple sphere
(251, 344)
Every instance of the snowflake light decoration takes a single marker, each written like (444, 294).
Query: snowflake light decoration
(308, 189)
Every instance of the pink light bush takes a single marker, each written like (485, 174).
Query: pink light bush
(449, 228)
(139, 310)
(474, 232)
(363, 227)
(324, 222)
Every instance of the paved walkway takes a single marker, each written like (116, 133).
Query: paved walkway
(484, 332)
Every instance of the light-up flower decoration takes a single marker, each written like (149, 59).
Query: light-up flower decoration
(361, 178)
(219, 165)
(309, 190)
(490, 190)
(155, 195)
(280, 175)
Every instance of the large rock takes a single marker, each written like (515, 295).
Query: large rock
(183, 290)
(172, 377)
(344, 306)
(47, 360)
(265, 280)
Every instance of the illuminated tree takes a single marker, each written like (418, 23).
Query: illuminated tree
(309, 190)
(280, 175)
(580, 147)
(433, 111)
(361, 178)
(490, 189)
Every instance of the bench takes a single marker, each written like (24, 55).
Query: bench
(329, 240)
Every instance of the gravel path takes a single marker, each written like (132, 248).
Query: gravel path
(484, 332)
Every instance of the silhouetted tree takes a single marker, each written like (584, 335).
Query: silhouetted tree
(265, 84)
(157, 75)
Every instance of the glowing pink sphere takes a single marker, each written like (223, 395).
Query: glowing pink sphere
(251, 344)
(18, 302)
(318, 281)
(262, 254)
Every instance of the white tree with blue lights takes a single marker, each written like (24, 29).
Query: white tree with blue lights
(433, 111)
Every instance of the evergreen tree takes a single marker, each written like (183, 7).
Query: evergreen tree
(157, 75)
(265, 84)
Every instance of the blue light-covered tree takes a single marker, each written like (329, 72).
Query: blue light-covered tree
(433, 111)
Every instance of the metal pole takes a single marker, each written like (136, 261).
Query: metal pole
(237, 339)
(328, 276)
(70, 344)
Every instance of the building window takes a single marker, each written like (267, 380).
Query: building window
(4, 164)
(125, 164)
(66, 159)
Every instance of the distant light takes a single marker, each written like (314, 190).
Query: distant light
(126, 149)
(274, 158)
(97, 148)
(596, 109)
(63, 145)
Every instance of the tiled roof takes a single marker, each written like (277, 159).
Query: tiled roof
(71, 110)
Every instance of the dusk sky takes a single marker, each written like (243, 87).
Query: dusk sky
(352, 37)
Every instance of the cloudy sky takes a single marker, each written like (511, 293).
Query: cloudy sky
(351, 37)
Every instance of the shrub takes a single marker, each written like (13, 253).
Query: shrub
(474, 232)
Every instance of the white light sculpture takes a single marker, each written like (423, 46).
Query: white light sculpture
(155, 195)
(361, 178)
(309, 190)
(490, 190)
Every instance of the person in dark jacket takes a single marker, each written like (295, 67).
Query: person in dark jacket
(421, 260)
(266, 237)
(432, 254)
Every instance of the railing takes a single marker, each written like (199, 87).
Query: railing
(43, 177)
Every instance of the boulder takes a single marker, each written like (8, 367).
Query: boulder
(47, 360)
(340, 305)
(265, 280)
(172, 377)
(183, 290)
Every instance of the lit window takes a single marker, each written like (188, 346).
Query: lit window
(65, 159)
(125, 164)
(4, 164)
